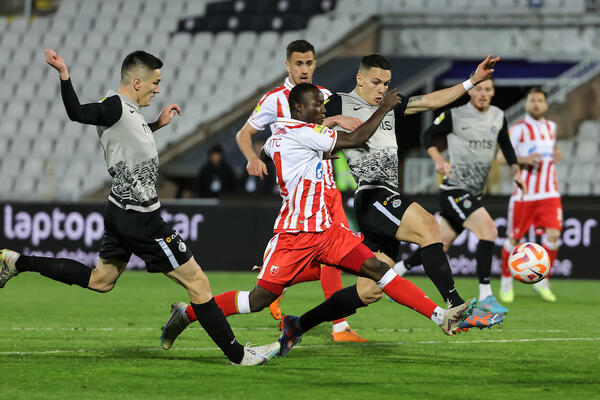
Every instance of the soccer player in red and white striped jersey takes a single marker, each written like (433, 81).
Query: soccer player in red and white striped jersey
(300, 64)
(534, 141)
(305, 235)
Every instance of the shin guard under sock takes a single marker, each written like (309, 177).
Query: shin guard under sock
(62, 270)
(406, 293)
(331, 282)
(435, 263)
(341, 304)
(483, 255)
(414, 259)
(215, 324)
(227, 302)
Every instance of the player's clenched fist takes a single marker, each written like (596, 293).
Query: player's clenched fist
(391, 99)
(57, 62)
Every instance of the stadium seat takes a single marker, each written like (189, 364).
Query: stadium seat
(21, 146)
(586, 150)
(34, 167)
(11, 165)
(589, 130)
(4, 144)
(579, 188)
(65, 144)
(30, 128)
(24, 189)
(25, 90)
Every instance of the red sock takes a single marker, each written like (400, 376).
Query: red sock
(331, 282)
(505, 255)
(552, 254)
(407, 293)
(189, 311)
(227, 302)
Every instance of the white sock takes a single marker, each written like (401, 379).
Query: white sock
(243, 302)
(438, 315)
(485, 290)
(400, 268)
(542, 284)
(506, 283)
(387, 278)
(340, 326)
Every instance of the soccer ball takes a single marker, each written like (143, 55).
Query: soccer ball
(529, 262)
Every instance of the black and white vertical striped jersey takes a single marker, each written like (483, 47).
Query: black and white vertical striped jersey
(129, 146)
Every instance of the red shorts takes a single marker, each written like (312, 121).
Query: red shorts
(291, 254)
(333, 200)
(542, 214)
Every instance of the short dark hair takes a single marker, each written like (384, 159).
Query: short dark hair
(297, 94)
(375, 61)
(300, 46)
(216, 149)
(139, 58)
(538, 89)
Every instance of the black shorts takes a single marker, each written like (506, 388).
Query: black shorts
(457, 205)
(378, 215)
(144, 234)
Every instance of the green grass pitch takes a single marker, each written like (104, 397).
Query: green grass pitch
(61, 342)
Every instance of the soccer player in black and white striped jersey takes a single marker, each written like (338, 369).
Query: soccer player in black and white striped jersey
(132, 220)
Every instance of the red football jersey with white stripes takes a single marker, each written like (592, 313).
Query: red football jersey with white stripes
(274, 104)
(530, 136)
(297, 149)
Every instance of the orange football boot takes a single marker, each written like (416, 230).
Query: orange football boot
(347, 335)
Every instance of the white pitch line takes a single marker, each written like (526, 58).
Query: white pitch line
(425, 342)
(260, 328)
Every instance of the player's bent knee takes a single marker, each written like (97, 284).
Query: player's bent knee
(100, 286)
(430, 230)
(374, 269)
(260, 298)
(198, 285)
(370, 296)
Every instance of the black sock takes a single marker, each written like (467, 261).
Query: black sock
(483, 255)
(341, 304)
(438, 270)
(414, 259)
(215, 324)
(63, 270)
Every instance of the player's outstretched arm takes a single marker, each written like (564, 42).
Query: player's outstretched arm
(440, 98)
(105, 113)
(165, 117)
(58, 63)
(255, 166)
(360, 135)
(343, 121)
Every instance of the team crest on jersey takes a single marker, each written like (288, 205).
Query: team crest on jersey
(494, 129)
(396, 203)
(467, 204)
(274, 270)
(182, 247)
